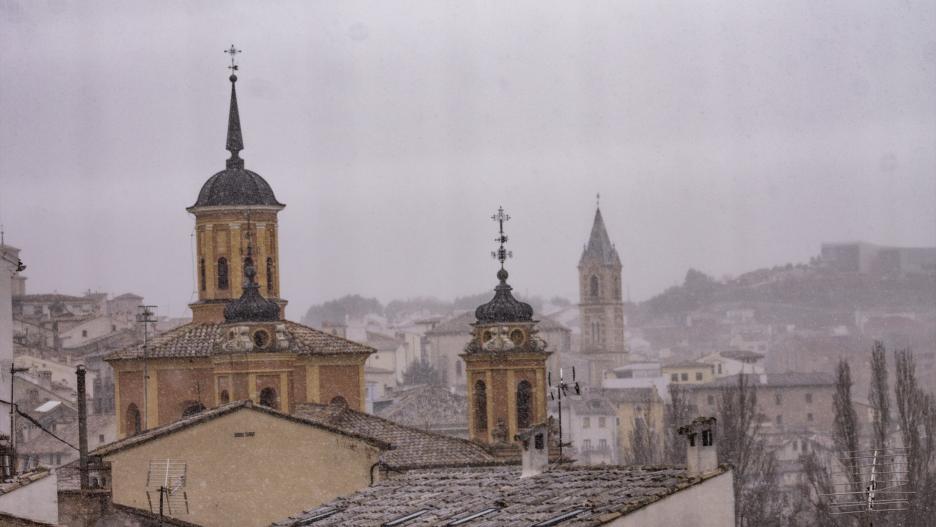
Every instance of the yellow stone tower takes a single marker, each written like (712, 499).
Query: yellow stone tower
(505, 363)
(232, 205)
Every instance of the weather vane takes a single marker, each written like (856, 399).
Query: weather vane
(232, 51)
(501, 254)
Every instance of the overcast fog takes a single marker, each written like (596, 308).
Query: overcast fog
(723, 138)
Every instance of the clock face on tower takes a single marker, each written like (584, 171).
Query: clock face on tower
(517, 337)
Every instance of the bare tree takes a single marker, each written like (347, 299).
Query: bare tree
(676, 413)
(879, 397)
(846, 427)
(916, 413)
(741, 444)
(812, 508)
(643, 439)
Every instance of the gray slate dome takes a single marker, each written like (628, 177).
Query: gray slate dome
(503, 307)
(236, 186)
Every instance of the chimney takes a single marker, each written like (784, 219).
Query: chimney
(82, 428)
(701, 453)
(534, 449)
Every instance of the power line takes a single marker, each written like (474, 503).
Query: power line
(38, 425)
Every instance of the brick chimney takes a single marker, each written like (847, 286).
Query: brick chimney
(534, 449)
(701, 452)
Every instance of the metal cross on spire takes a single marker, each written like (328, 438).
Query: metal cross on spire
(232, 51)
(598, 200)
(501, 254)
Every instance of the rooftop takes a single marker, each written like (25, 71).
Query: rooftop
(205, 339)
(461, 324)
(411, 447)
(789, 379)
(214, 413)
(581, 495)
(427, 406)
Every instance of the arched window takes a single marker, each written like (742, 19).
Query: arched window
(269, 273)
(222, 273)
(132, 424)
(617, 287)
(225, 397)
(524, 405)
(480, 406)
(339, 401)
(268, 398)
(593, 285)
(191, 408)
(596, 332)
(202, 282)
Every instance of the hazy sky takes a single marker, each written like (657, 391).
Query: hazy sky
(722, 136)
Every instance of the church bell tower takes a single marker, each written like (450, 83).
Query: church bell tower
(601, 309)
(505, 363)
(232, 206)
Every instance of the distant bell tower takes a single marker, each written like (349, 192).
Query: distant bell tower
(505, 363)
(232, 206)
(601, 308)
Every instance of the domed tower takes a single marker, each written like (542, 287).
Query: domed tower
(505, 363)
(232, 205)
(600, 304)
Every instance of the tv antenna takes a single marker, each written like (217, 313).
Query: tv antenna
(875, 481)
(562, 388)
(166, 478)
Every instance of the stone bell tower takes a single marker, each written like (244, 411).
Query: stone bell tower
(233, 205)
(505, 363)
(601, 309)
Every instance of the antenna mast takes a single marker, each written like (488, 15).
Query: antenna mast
(146, 315)
(556, 392)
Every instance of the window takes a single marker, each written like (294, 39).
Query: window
(593, 285)
(586, 445)
(100, 438)
(779, 419)
(711, 400)
(674, 377)
(698, 376)
(524, 405)
(586, 422)
(480, 406)
(268, 398)
(808, 397)
(203, 283)
(458, 368)
(684, 377)
(603, 444)
(707, 437)
(223, 273)
(596, 331)
(778, 398)
(809, 417)
(84, 332)
(113, 327)
(269, 276)
(795, 445)
(225, 397)
(601, 422)
(337, 401)
(719, 368)
(132, 423)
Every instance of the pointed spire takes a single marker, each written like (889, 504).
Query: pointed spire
(235, 141)
(599, 245)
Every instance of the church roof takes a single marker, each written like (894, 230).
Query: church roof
(571, 496)
(235, 185)
(203, 339)
(599, 247)
(410, 447)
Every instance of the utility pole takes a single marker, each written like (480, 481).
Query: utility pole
(13, 371)
(146, 315)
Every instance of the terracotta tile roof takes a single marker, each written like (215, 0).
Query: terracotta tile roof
(207, 415)
(46, 444)
(630, 395)
(789, 379)
(435, 406)
(600, 493)
(205, 339)
(410, 447)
